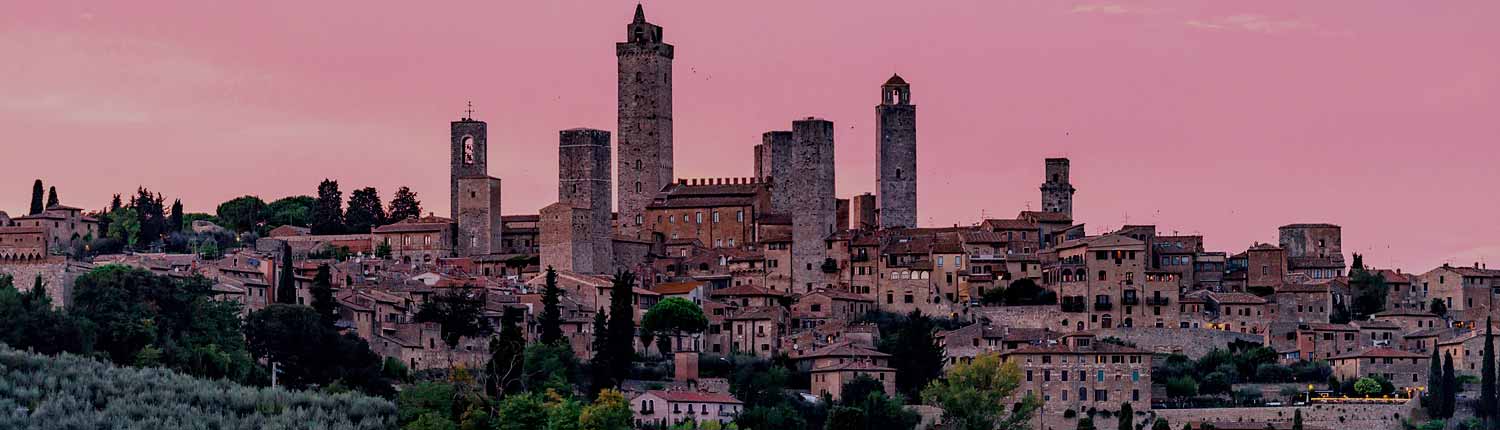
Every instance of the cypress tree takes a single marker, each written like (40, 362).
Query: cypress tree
(621, 346)
(1297, 420)
(599, 366)
(52, 197)
(286, 284)
(1433, 400)
(36, 197)
(322, 296)
(174, 221)
(1127, 417)
(1450, 387)
(1486, 408)
(551, 316)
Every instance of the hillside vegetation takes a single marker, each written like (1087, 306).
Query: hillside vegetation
(72, 392)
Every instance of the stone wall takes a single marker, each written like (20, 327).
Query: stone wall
(779, 146)
(896, 163)
(1343, 416)
(469, 156)
(584, 182)
(479, 224)
(57, 277)
(645, 122)
(1057, 190)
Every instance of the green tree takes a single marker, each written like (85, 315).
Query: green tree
(847, 418)
(383, 250)
(549, 366)
(522, 412)
(404, 205)
(209, 249)
(293, 211)
(322, 296)
(328, 210)
(1127, 417)
(52, 197)
(431, 421)
(856, 390)
(31, 323)
(425, 398)
(242, 213)
(459, 313)
(1432, 399)
(1161, 424)
(310, 353)
(174, 221)
(1086, 423)
(36, 198)
(608, 412)
(1024, 291)
(507, 356)
(1369, 290)
(973, 395)
(1297, 419)
(1367, 387)
(621, 334)
(914, 354)
(1486, 407)
(671, 318)
(125, 226)
(551, 320)
(1437, 307)
(599, 365)
(365, 211)
(1450, 387)
(286, 281)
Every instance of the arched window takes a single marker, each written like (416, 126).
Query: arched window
(637, 164)
(637, 186)
(898, 173)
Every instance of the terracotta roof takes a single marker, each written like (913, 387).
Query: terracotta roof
(1095, 347)
(1239, 298)
(843, 349)
(677, 287)
(895, 80)
(852, 365)
(428, 223)
(745, 290)
(1045, 217)
(1009, 224)
(694, 397)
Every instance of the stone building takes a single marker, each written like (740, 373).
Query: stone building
(645, 120)
(468, 155)
(1265, 267)
(1461, 287)
(862, 212)
(1405, 370)
(1057, 192)
(1315, 250)
(717, 212)
(567, 240)
(583, 182)
(479, 223)
(896, 159)
(20, 244)
(416, 240)
(1080, 373)
(663, 409)
(64, 225)
(1093, 276)
(1467, 351)
(811, 186)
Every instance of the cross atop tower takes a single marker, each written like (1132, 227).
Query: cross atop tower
(469, 113)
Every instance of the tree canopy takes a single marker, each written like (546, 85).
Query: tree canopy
(973, 395)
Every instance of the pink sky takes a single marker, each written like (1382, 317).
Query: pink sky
(1225, 119)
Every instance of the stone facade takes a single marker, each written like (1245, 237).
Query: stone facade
(1057, 192)
(645, 120)
(65, 227)
(896, 159)
(469, 155)
(417, 240)
(566, 240)
(19, 244)
(811, 186)
(1313, 249)
(479, 224)
(584, 183)
(862, 212)
(1081, 373)
(717, 212)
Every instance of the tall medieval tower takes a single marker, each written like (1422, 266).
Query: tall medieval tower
(1057, 192)
(645, 127)
(812, 203)
(896, 185)
(474, 194)
(583, 183)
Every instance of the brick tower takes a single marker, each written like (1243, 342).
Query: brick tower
(776, 147)
(810, 186)
(896, 167)
(1057, 192)
(583, 182)
(645, 114)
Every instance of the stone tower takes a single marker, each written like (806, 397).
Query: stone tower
(810, 186)
(583, 182)
(776, 153)
(475, 195)
(1057, 192)
(896, 166)
(470, 156)
(645, 127)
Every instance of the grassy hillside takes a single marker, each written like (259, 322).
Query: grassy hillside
(71, 392)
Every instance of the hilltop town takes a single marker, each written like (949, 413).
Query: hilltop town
(696, 281)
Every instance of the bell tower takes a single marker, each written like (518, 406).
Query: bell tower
(644, 135)
(470, 154)
(896, 167)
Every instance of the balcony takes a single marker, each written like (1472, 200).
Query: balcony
(1157, 301)
(1103, 306)
(1130, 300)
(1073, 307)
